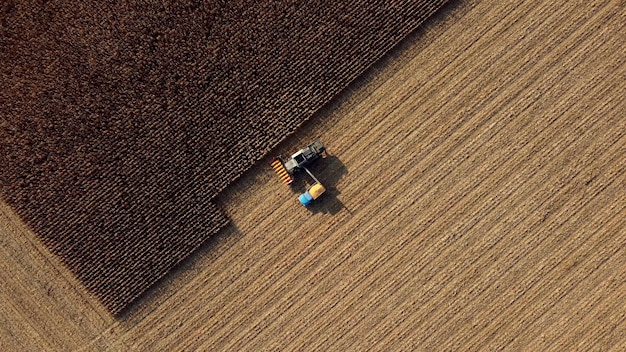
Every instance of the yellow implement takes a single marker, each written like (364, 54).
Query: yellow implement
(282, 173)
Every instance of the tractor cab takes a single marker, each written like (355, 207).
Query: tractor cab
(305, 156)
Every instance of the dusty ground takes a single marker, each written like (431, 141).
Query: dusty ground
(477, 194)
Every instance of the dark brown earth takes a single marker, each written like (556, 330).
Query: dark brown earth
(121, 122)
(476, 202)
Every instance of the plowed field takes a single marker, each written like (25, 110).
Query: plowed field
(120, 122)
(476, 200)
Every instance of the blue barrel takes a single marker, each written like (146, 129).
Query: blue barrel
(305, 198)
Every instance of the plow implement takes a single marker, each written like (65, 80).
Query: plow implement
(281, 171)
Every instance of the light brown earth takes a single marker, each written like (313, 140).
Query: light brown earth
(477, 195)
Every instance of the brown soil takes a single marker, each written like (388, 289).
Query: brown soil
(121, 122)
(477, 194)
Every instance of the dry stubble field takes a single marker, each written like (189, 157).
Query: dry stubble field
(476, 201)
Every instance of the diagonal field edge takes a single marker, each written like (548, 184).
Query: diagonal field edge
(119, 123)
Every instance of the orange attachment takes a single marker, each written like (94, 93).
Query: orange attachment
(282, 173)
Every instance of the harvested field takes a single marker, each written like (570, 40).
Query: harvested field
(477, 194)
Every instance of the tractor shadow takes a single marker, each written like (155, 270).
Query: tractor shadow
(328, 170)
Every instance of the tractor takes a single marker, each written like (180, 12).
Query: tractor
(288, 169)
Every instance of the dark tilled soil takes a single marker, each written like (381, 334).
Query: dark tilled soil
(120, 123)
